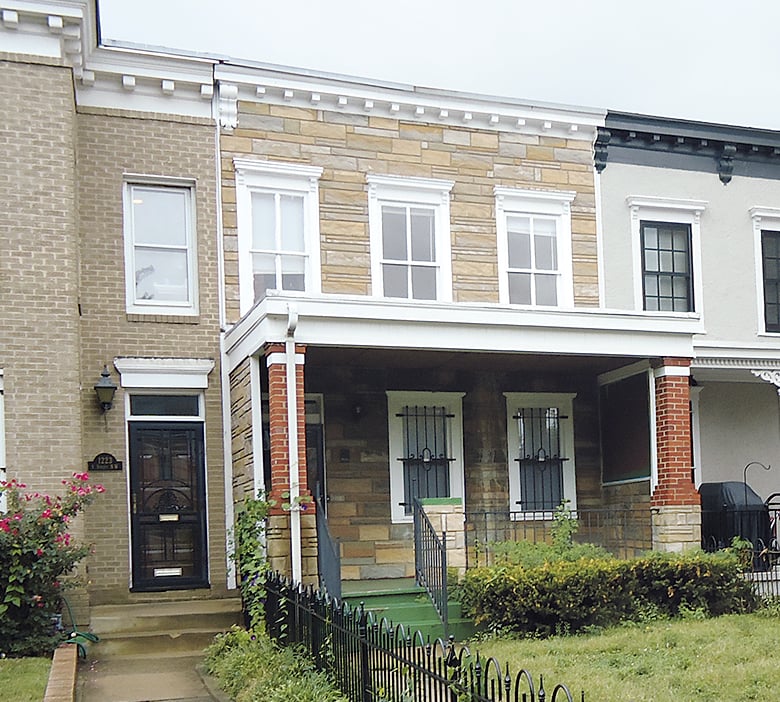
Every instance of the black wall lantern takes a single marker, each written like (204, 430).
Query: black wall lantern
(105, 390)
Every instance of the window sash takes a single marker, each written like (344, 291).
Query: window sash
(667, 280)
(409, 262)
(770, 259)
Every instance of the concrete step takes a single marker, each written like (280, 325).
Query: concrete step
(182, 627)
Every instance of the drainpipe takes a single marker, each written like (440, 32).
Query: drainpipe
(292, 444)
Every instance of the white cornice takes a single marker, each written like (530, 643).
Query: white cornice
(369, 323)
(354, 96)
(191, 373)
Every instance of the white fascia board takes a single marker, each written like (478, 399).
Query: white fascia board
(151, 65)
(381, 324)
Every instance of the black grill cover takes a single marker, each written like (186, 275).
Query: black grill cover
(730, 509)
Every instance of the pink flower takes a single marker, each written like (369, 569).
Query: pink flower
(39, 552)
(81, 476)
(99, 489)
(46, 514)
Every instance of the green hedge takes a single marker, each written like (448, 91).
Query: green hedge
(567, 597)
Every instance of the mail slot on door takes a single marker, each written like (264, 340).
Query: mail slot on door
(168, 517)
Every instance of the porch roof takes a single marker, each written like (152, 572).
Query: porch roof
(370, 323)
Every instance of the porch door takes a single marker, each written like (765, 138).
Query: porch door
(168, 506)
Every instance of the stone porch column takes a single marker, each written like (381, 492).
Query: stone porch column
(279, 531)
(675, 503)
(446, 515)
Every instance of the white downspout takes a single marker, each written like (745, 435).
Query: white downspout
(292, 443)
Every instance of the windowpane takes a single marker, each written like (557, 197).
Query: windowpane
(546, 290)
(164, 405)
(293, 268)
(423, 283)
(770, 242)
(263, 221)
(666, 258)
(651, 237)
(651, 261)
(394, 233)
(680, 262)
(423, 233)
(291, 210)
(264, 274)
(395, 281)
(519, 249)
(520, 288)
(161, 275)
(159, 216)
(545, 252)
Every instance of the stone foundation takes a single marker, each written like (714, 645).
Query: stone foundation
(676, 528)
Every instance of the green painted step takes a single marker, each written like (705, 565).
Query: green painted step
(404, 602)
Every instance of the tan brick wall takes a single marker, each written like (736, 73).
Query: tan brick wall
(39, 324)
(349, 146)
(111, 144)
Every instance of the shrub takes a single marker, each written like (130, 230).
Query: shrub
(36, 552)
(567, 597)
(251, 667)
(250, 557)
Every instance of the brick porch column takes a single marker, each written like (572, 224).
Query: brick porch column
(675, 503)
(279, 531)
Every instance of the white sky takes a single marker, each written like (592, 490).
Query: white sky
(710, 60)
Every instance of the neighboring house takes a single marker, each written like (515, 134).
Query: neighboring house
(691, 224)
(108, 258)
(309, 284)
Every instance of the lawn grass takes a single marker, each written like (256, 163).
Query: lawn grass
(733, 657)
(23, 679)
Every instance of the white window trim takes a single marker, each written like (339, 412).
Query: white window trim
(764, 218)
(396, 401)
(662, 209)
(403, 190)
(276, 177)
(564, 401)
(555, 204)
(2, 440)
(167, 307)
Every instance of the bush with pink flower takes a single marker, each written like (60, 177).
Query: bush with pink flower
(36, 554)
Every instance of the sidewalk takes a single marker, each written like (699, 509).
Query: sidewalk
(162, 678)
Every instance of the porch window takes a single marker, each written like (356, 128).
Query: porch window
(426, 448)
(541, 451)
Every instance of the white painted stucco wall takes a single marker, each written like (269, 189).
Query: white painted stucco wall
(740, 423)
(729, 304)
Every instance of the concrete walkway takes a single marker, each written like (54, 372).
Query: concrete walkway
(162, 678)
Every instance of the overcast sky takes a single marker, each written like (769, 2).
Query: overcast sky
(710, 60)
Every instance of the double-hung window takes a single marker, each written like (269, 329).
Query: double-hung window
(160, 250)
(766, 227)
(426, 448)
(409, 222)
(278, 228)
(666, 235)
(540, 438)
(534, 247)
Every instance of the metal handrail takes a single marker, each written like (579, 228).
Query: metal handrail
(430, 562)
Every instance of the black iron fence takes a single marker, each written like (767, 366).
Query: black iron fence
(623, 532)
(375, 661)
(430, 562)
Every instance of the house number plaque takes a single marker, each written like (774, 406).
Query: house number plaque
(104, 461)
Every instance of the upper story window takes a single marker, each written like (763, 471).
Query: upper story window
(278, 228)
(666, 235)
(667, 269)
(409, 223)
(766, 227)
(534, 247)
(160, 250)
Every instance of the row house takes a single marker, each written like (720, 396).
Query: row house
(347, 295)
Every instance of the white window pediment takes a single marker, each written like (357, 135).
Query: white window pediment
(174, 373)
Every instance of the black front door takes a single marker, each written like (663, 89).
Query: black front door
(168, 506)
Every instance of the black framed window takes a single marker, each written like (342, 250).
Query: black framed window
(667, 269)
(770, 255)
